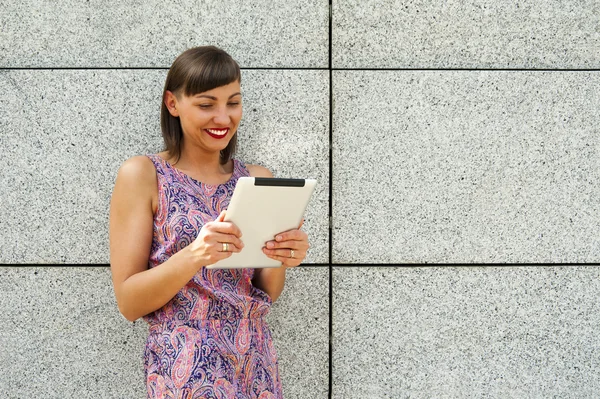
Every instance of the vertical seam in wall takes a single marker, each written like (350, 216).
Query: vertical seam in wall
(330, 224)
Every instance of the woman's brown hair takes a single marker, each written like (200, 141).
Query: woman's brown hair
(195, 71)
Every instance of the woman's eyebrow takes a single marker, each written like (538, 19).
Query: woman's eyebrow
(205, 96)
(215, 98)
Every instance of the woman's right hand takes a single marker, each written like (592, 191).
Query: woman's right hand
(208, 247)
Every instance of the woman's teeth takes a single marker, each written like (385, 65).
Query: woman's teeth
(219, 132)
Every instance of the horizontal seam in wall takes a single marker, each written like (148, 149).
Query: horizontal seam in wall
(50, 265)
(107, 265)
(315, 265)
(472, 69)
(305, 69)
(148, 68)
(409, 265)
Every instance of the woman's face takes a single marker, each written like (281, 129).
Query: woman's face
(208, 119)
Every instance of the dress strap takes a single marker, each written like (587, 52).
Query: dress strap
(240, 169)
(157, 161)
(164, 172)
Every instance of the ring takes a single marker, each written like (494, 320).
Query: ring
(291, 253)
(225, 247)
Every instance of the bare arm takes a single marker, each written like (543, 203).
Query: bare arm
(140, 290)
(272, 280)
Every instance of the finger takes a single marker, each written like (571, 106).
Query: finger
(227, 247)
(228, 238)
(221, 217)
(226, 228)
(287, 244)
(301, 223)
(285, 253)
(287, 262)
(295, 234)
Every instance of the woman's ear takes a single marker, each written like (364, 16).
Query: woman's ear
(171, 103)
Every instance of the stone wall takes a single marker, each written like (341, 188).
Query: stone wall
(456, 226)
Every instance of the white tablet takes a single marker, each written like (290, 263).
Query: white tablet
(262, 207)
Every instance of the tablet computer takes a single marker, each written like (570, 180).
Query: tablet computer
(262, 207)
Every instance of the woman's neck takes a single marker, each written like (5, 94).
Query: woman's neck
(202, 165)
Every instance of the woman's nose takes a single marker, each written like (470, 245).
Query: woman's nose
(222, 117)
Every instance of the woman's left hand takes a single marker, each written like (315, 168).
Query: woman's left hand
(288, 247)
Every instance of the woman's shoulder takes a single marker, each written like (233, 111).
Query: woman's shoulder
(258, 171)
(136, 185)
(138, 169)
(140, 164)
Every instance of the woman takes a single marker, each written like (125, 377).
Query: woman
(207, 335)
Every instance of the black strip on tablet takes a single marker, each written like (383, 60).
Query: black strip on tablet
(274, 181)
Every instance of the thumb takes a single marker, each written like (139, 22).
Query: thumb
(301, 223)
(221, 216)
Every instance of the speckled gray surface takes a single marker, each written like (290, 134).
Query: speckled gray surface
(299, 320)
(65, 133)
(466, 332)
(139, 33)
(286, 128)
(466, 34)
(466, 167)
(61, 335)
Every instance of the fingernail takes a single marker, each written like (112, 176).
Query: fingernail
(270, 245)
(279, 238)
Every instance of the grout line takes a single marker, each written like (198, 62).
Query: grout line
(475, 69)
(414, 265)
(58, 265)
(150, 68)
(83, 68)
(331, 265)
(330, 376)
(51, 265)
(330, 68)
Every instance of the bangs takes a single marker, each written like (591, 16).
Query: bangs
(212, 70)
(195, 71)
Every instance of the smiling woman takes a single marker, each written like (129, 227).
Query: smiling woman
(208, 337)
(215, 113)
(190, 81)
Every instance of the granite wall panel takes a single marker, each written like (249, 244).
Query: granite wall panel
(62, 336)
(136, 33)
(465, 332)
(466, 167)
(65, 133)
(299, 320)
(470, 34)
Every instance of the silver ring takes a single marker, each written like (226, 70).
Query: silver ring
(291, 253)
(225, 247)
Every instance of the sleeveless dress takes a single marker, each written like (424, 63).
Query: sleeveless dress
(210, 341)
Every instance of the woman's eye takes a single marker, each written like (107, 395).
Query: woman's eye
(205, 105)
(234, 104)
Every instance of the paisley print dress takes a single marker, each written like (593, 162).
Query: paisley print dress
(210, 341)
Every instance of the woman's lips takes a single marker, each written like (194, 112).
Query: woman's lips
(217, 133)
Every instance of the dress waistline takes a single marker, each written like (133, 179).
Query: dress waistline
(194, 323)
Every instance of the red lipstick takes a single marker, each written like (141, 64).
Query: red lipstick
(217, 133)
